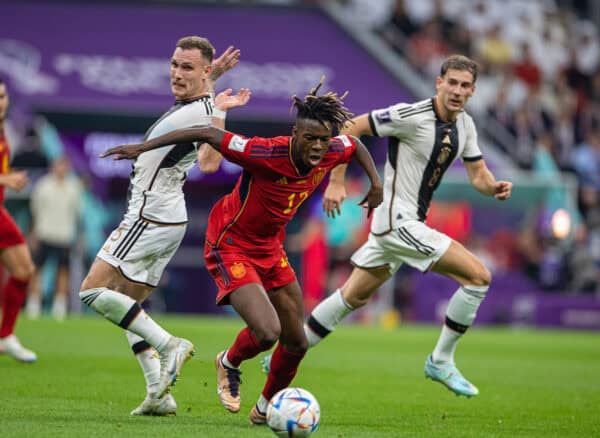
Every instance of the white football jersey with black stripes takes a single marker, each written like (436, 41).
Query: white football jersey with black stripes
(157, 178)
(420, 150)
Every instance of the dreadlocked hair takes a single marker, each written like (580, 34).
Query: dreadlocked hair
(327, 108)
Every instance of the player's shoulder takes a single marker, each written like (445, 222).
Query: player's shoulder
(340, 142)
(466, 120)
(270, 147)
(404, 110)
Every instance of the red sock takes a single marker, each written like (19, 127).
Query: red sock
(15, 293)
(284, 365)
(244, 347)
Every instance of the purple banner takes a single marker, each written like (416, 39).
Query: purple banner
(113, 57)
(512, 299)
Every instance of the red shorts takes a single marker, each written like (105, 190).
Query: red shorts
(233, 267)
(10, 234)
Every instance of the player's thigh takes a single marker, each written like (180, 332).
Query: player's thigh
(103, 274)
(362, 284)
(251, 302)
(463, 266)
(289, 305)
(17, 261)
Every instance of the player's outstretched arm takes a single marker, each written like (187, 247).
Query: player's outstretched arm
(209, 159)
(484, 181)
(375, 195)
(335, 193)
(201, 134)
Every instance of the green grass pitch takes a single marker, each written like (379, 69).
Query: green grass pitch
(369, 382)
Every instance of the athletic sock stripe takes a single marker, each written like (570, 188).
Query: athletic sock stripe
(140, 346)
(460, 328)
(135, 239)
(423, 245)
(316, 327)
(128, 236)
(130, 315)
(412, 243)
(90, 298)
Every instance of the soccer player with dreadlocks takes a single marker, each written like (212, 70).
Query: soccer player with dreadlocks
(246, 228)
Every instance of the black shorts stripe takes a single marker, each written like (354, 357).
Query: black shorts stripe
(423, 245)
(128, 236)
(475, 158)
(460, 328)
(221, 267)
(126, 250)
(316, 327)
(130, 315)
(138, 347)
(406, 239)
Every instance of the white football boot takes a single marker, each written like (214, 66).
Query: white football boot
(160, 407)
(10, 345)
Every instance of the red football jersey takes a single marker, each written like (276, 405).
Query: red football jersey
(4, 159)
(269, 191)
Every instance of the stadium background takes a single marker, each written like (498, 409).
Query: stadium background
(84, 76)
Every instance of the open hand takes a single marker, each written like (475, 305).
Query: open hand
(226, 101)
(372, 199)
(228, 59)
(124, 152)
(332, 200)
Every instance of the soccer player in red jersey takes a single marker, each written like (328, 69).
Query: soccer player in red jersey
(14, 253)
(244, 238)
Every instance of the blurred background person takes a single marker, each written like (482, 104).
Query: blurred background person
(14, 253)
(55, 207)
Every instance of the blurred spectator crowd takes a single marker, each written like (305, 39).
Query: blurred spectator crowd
(540, 80)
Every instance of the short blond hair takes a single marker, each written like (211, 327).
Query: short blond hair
(195, 42)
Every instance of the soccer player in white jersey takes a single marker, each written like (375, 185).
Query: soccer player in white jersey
(131, 261)
(424, 139)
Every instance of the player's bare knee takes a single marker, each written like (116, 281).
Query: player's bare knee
(356, 301)
(267, 335)
(483, 277)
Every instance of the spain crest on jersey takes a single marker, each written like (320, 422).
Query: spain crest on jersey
(238, 270)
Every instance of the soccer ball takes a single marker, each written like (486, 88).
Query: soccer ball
(293, 412)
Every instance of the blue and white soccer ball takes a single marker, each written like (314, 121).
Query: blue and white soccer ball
(293, 412)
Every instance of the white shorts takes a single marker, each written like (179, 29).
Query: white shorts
(413, 243)
(142, 249)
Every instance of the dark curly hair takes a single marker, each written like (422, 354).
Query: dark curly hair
(327, 108)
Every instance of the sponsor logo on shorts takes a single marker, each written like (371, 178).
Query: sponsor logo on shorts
(238, 270)
(283, 263)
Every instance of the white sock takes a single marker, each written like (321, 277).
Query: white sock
(226, 362)
(126, 313)
(325, 317)
(147, 357)
(262, 404)
(460, 314)
(446, 344)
